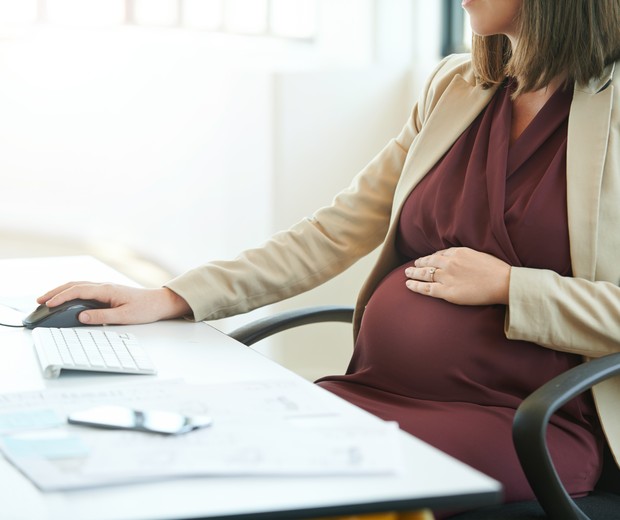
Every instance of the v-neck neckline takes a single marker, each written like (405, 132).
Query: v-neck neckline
(548, 107)
(508, 158)
(552, 114)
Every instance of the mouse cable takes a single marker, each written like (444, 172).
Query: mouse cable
(13, 326)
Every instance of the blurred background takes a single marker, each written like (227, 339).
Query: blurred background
(156, 135)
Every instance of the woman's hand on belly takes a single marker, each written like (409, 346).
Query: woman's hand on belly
(461, 275)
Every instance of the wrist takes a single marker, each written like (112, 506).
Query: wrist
(504, 291)
(175, 305)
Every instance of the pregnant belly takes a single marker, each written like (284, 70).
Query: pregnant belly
(427, 348)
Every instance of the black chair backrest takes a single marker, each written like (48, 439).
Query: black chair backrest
(610, 476)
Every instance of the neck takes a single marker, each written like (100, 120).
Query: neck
(527, 104)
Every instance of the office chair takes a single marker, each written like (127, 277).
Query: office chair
(529, 427)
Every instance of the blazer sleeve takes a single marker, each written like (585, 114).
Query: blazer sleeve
(568, 314)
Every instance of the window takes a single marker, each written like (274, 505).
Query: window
(291, 19)
(78, 12)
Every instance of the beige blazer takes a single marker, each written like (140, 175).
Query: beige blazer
(579, 315)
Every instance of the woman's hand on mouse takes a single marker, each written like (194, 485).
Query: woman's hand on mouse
(461, 275)
(127, 305)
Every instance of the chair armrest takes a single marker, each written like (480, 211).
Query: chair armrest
(530, 426)
(265, 327)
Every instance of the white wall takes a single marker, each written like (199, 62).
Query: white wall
(179, 148)
(134, 137)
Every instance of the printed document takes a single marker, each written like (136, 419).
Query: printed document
(259, 428)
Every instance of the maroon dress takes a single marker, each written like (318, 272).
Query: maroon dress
(447, 373)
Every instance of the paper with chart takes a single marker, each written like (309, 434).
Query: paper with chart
(259, 428)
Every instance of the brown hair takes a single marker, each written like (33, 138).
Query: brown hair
(576, 38)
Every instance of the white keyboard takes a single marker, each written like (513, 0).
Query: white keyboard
(87, 349)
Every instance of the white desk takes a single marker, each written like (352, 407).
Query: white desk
(199, 353)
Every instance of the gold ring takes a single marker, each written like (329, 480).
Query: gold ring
(432, 273)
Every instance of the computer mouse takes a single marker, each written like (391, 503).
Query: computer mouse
(63, 315)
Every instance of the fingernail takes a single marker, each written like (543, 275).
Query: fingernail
(84, 317)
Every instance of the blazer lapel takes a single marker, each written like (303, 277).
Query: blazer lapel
(588, 133)
(458, 106)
